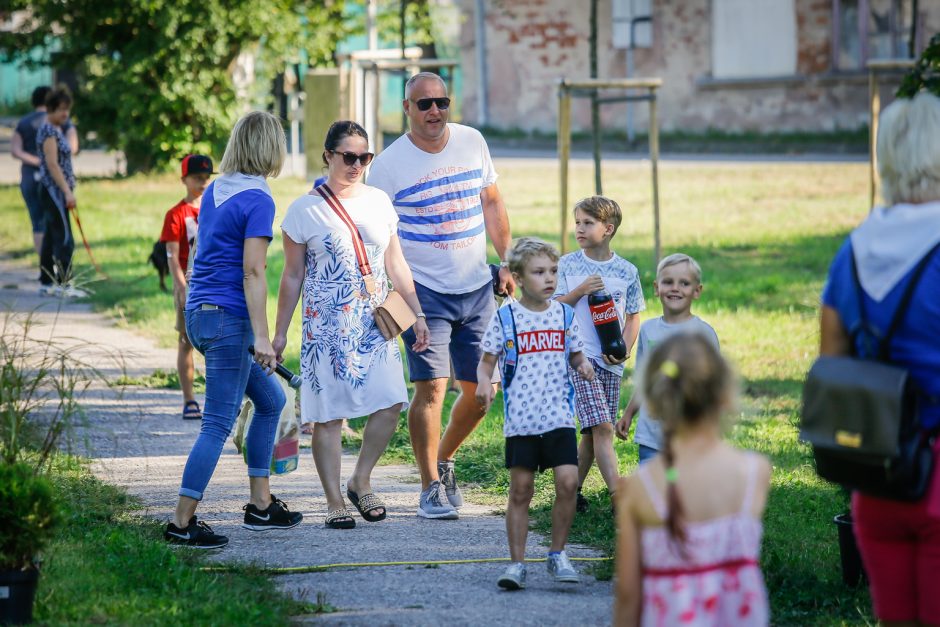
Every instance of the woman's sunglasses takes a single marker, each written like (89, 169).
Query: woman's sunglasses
(350, 158)
(424, 104)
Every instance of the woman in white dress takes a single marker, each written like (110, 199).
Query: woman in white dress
(349, 369)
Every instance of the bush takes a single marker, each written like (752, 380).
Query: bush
(31, 515)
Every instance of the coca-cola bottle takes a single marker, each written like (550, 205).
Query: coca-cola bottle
(607, 324)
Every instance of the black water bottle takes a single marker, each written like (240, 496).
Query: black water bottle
(607, 324)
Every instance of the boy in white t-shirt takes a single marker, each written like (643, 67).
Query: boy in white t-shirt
(534, 340)
(594, 268)
(678, 284)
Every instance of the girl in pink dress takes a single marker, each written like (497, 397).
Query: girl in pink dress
(689, 520)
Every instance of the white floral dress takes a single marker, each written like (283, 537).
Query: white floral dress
(348, 368)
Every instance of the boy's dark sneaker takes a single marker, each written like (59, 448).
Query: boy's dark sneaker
(276, 516)
(197, 535)
(582, 504)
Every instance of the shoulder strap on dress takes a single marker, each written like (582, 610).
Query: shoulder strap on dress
(750, 484)
(659, 504)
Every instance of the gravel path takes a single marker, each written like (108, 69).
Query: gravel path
(138, 440)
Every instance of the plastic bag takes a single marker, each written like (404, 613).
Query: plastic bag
(287, 440)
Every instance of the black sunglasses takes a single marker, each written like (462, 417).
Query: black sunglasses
(349, 158)
(424, 104)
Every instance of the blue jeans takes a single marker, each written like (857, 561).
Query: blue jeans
(231, 373)
(29, 187)
(647, 453)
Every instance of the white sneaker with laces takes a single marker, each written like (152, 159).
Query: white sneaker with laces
(434, 504)
(560, 567)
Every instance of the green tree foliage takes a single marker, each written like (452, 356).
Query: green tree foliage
(925, 73)
(155, 77)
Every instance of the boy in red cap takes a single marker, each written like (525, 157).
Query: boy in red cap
(179, 234)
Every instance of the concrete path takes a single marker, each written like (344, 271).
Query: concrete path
(138, 440)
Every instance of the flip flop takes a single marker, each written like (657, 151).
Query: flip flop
(340, 519)
(367, 503)
(191, 411)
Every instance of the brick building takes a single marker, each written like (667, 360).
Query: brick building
(733, 65)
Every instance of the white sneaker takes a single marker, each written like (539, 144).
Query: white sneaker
(71, 291)
(50, 290)
(560, 567)
(514, 577)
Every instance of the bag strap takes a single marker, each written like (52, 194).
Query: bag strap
(884, 347)
(568, 311)
(362, 258)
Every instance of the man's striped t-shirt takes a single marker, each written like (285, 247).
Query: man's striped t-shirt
(437, 197)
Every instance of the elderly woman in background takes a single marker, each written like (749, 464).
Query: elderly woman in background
(349, 368)
(226, 315)
(899, 541)
(56, 196)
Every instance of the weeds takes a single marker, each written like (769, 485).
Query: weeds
(41, 384)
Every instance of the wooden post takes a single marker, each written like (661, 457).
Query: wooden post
(595, 105)
(564, 150)
(377, 143)
(566, 90)
(874, 108)
(654, 161)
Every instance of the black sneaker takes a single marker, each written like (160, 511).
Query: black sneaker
(276, 516)
(197, 535)
(582, 505)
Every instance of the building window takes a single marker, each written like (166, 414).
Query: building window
(871, 29)
(753, 38)
(632, 23)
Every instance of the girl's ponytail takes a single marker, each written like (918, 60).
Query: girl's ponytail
(685, 380)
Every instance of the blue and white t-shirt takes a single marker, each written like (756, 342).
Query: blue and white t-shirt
(649, 431)
(541, 396)
(621, 279)
(234, 208)
(437, 197)
(63, 158)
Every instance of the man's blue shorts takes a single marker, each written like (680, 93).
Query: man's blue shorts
(457, 323)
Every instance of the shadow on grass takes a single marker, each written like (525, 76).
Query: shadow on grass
(773, 276)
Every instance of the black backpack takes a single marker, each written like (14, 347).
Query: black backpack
(861, 415)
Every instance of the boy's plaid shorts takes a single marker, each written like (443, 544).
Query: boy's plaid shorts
(596, 401)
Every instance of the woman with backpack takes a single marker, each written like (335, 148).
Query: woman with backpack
(894, 248)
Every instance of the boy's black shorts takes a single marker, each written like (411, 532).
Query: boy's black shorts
(543, 451)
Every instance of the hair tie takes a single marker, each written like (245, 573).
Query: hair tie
(672, 475)
(670, 369)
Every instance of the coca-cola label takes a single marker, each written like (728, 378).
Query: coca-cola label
(603, 313)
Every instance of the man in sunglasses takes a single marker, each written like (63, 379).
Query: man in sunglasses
(443, 184)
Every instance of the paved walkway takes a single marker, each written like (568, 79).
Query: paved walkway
(137, 440)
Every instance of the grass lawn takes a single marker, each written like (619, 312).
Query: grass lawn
(764, 235)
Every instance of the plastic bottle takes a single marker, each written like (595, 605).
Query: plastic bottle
(607, 324)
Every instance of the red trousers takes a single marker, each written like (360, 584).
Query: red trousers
(900, 547)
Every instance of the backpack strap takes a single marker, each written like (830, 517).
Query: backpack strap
(510, 343)
(884, 346)
(569, 318)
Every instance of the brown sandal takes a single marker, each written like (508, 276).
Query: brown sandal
(340, 519)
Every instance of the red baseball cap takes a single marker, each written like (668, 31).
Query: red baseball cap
(197, 164)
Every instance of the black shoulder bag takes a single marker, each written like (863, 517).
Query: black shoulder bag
(861, 415)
